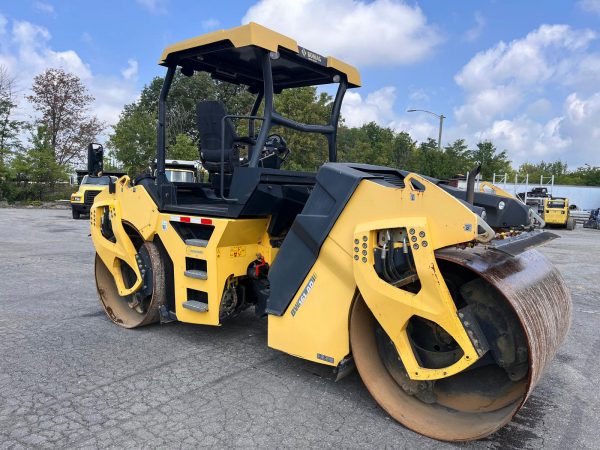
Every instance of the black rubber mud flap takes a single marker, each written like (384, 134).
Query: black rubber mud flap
(336, 183)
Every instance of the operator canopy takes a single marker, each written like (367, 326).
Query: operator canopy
(231, 56)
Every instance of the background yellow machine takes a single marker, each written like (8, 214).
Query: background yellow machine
(93, 181)
(556, 212)
(450, 324)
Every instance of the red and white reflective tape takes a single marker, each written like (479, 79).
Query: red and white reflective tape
(187, 219)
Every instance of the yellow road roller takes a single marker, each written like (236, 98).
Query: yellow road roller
(436, 295)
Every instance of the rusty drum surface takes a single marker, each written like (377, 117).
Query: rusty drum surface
(536, 291)
(532, 300)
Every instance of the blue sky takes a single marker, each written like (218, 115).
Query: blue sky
(521, 73)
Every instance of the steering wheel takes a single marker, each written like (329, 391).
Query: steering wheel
(277, 142)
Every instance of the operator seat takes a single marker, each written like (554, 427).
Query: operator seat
(210, 115)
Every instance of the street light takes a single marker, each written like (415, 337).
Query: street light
(439, 116)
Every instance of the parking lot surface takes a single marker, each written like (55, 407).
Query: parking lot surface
(70, 378)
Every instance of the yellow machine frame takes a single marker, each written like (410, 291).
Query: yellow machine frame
(495, 189)
(315, 325)
(556, 215)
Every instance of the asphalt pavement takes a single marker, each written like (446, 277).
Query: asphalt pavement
(69, 378)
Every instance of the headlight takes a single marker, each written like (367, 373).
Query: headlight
(75, 199)
(501, 205)
(483, 214)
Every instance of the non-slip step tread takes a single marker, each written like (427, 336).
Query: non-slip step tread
(198, 274)
(196, 242)
(196, 306)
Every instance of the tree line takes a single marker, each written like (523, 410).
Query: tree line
(43, 149)
(132, 139)
(46, 147)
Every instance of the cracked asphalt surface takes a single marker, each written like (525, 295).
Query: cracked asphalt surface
(70, 378)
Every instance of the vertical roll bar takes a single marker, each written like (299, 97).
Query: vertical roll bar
(160, 128)
(268, 114)
(335, 117)
(254, 111)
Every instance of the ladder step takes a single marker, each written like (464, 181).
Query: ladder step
(194, 305)
(196, 242)
(198, 274)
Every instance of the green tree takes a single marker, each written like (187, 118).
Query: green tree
(403, 146)
(428, 160)
(456, 159)
(535, 171)
(184, 148)
(491, 161)
(62, 102)
(586, 175)
(134, 137)
(309, 151)
(374, 144)
(9, 127)
(133, 140)
(37, 163)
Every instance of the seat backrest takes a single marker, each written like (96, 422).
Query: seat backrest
(209, 117)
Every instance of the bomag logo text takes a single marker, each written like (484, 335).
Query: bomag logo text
(312, 55)
(304, 294)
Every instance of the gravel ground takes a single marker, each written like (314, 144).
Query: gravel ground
(70, 378)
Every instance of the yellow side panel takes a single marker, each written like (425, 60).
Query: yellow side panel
(448, 219)
(233, 245)
(318, 330)
(137, 208)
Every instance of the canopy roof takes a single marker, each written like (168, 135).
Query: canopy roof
(231, 55)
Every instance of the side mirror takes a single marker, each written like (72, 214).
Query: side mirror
(95, 159)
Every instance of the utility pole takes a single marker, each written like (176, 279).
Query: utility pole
(439, 116)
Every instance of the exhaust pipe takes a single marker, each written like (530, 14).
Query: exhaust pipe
(471, 176)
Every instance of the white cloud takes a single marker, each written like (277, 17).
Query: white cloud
(44, 7)
(420, 127)
(537, 97)
(418, 96)
(513, 96)
(524, 62)
(210, 24)
(153, 6)
(473, 33)
(581, 123)
(26, 52)
(528, 140)
(131, 71)
(378, 107)
(485, 104)
(380, 32)
(590, 6)
(375, 107)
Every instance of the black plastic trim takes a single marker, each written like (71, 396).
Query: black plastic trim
(334, 187)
